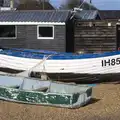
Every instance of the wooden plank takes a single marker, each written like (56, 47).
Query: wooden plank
(101, 36)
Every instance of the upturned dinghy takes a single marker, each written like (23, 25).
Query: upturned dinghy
(33, 91)
(60, 66)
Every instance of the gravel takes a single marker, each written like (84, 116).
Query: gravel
(105, 105)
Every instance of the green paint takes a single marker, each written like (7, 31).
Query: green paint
(45, 98)
(34, 97)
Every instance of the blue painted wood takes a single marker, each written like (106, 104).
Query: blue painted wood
(54, 55)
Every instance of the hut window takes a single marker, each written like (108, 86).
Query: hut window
(45, 32)
(8, 31)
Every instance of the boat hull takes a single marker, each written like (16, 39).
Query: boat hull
(101, 65)
(63, 77)
(39, 98)
(62, 66)
(33, 91)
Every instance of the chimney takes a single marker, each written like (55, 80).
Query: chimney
(11, 4)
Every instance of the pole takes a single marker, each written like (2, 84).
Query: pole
(43, 4)
(11, 4)
(90, 4)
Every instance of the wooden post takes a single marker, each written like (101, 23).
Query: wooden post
(11, 4)
(43, 4)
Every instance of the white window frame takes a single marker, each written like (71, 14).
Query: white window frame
(45, 37)
(10, 37)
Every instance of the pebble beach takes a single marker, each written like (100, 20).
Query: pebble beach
(105, 105)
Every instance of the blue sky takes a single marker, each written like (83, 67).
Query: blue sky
(100, 4)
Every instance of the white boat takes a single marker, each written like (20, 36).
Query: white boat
(61, 65)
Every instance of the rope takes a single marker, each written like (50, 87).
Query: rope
(44, 59)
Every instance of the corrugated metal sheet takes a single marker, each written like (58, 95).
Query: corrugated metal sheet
(34, 16)
(109, 14)
(87, 14)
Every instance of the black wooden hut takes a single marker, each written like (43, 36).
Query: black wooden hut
(97, 31)
(37, 29)
(113, 17)
(109, 14)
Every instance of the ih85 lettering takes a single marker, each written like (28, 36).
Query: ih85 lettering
(111, 62)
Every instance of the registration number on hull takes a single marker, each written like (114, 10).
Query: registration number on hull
(111, 62)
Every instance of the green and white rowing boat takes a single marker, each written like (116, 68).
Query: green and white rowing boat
(33, 91)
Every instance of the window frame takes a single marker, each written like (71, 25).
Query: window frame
(45, 37)
(10, 37)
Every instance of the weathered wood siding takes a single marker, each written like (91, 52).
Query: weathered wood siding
(98, 38)
(19, 42)
(27, 38)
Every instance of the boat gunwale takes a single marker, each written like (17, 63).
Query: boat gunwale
(59, 56)
(34, 91)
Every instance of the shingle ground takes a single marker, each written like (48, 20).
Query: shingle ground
(104, 106)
